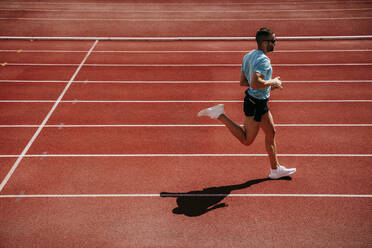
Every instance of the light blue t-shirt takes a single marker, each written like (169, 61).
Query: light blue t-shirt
(257, 61)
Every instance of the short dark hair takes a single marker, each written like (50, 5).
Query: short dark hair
(262, 34)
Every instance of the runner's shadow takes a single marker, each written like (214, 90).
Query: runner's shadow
(196, 203)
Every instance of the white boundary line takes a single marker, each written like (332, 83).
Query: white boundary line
(183, 11)
(179, 125)
(184, 19)
(345, 37)
(176, 82)
(186, 65)
(180, 101)
(33, 81)
(176, 155)
(25, 150)
(188, 4)
(189, 195)
(185, 51)
(200, 82)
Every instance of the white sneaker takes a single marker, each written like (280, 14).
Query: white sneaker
(281, 171)
(213, 112)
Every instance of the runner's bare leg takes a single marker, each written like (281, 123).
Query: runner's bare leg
(247, 135)
(267, 125)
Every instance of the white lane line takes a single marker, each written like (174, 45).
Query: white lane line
(36, 134)
(28, 101)
(319, 101)
(43, 51)
(181, 101)
(218, 82)
(186, 19)
(176, 82)
(186, 65)
(323, 51)
(31, 81)
(178, 125)
(182, 4)
(184, 11)
(189, 51)
(188, 195)
(340, 37)
(176, 155)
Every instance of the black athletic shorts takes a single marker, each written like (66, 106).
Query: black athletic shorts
(255, 107)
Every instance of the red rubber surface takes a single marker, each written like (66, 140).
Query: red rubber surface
(35, 207)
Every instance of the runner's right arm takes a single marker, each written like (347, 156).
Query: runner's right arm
(243, 80)
(258, 82)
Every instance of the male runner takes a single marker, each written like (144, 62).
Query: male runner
(256, 74)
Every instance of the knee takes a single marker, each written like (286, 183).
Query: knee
(247, 142)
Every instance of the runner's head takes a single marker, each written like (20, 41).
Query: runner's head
(265, 39)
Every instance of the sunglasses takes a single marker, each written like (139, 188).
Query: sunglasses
(273, 40)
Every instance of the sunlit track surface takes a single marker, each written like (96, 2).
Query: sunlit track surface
(100, 140)
(184, 18)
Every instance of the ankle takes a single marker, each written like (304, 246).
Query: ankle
(221, 117)
(275, 167)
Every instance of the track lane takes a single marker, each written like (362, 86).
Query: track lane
(186, 113)
(45, 45)
(183, 57)
(149, 28)
(315, 175)
(196, 140)
(181, 45)
(190, 6)
(231, 45)
(5, 166)
(187, 14)
(219, 73)
(23, 113)
(42, 57)
(183, 91)
(71, 222)
(13, 140)
(36, 72)
(30, 90)
(228, 58)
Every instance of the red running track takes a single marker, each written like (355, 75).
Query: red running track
(185, 19)
(35, 204)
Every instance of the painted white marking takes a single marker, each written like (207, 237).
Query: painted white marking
(225, 101)
(181, 4)
(36, 134)
(60, 126)
(187, 65)
(190, 51)
(186, 19)
(31, 81)
(180, 155)
(221, 82)
(27, 101)
(340, 37)
(202, 195)
(181, 101)
(177, 82)
(185, 11)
